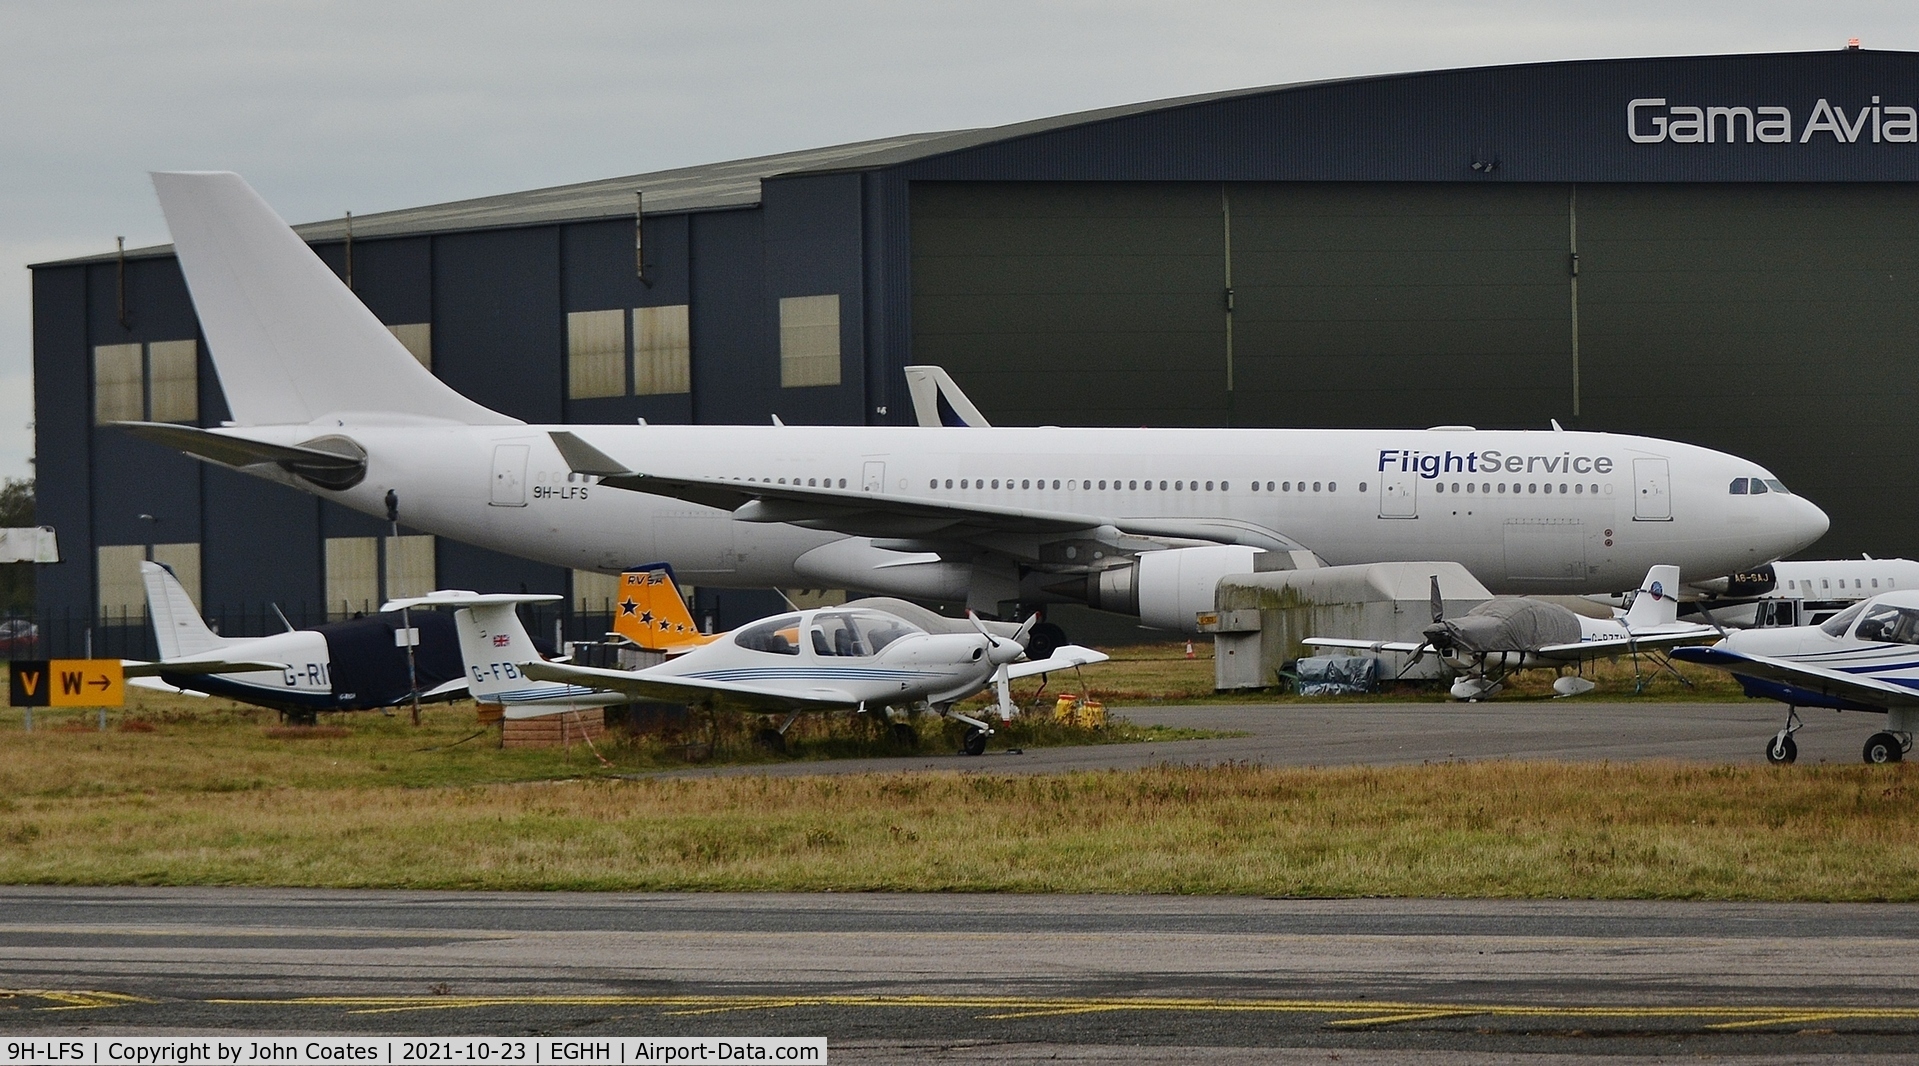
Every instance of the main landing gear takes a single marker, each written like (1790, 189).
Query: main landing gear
(1782, 749)
(1887, 747)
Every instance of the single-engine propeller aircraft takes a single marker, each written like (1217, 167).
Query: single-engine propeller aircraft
(352, 665)
(1508, 633)
(874, 656)
(1140, 521)
(1865, 658)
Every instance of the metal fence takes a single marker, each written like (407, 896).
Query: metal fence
(64, 634)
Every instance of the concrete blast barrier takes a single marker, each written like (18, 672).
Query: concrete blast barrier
(1261, 618)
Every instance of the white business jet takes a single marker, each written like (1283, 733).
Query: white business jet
(350, 665)
(1865, 658)
(1141, 521)
(1508, 633)
(858, 656)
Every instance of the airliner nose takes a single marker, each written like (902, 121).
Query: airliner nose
(1806, 524)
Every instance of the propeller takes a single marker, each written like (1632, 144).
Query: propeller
(1439, 618)
(1003, 650)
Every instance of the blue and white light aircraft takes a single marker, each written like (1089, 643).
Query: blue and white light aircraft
(1140, 521)
(1865, 658)
(877, 657)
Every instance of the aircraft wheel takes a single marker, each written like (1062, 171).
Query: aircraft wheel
(1781, 750)
(905, 736)
(974, 742)
(772, 740)
(1884, 748)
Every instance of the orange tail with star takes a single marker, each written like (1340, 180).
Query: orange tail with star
(652, 615)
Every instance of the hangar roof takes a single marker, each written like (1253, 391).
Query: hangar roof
(1614, 120)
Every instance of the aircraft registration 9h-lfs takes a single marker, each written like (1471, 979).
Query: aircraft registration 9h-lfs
(1141, 521)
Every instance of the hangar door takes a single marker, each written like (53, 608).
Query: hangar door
(1350, 304)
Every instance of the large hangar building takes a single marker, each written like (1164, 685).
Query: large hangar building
(1721, 249)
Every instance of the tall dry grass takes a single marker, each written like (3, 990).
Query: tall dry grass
(1481, 829)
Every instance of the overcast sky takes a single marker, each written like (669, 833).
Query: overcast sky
(362, 106)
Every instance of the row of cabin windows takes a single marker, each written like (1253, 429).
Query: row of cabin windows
(1180, 485)
(1826, 583)
(360, 573)
(1530, 488)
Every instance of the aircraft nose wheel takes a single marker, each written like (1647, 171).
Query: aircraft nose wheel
(1782, 750)
(974, 743)
(1885, 748)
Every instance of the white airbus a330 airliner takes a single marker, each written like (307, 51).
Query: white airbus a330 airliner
(1142, 521)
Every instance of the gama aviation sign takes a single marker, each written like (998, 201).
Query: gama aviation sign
(1651, 120)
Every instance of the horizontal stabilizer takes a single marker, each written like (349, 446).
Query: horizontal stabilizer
(235, 451)
(465, 598)
(142, 668)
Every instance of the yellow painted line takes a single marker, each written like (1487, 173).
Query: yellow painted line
(1359, 1013)
(72, 999)
(1415, 1016)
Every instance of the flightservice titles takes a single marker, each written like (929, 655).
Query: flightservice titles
(1430, 465)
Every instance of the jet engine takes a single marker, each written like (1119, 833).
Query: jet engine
(1167, 588)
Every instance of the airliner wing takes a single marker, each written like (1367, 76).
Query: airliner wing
(690, 689)
(872, 514)
(1835, 683)
(142, 668)
(1065, 657)
(1364, 645)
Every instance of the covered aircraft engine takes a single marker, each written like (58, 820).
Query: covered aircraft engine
(1506, 623)
(1167, 588)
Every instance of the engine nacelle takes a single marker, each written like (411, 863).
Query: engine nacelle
(1166, 589)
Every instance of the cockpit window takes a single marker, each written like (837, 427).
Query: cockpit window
(1837, 625)
(1894, 625)
(855, 634)
(1738, 486)
(1759, 486)
(777, 635)
(1777, 485)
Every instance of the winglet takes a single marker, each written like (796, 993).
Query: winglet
(938, 401)
(583, 458)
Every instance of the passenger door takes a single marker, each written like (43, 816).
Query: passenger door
(1398, 495)
(509, 475)
(1651, 491)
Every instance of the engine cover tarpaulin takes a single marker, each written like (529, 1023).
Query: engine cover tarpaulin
(1507, 623)
(1336, 675)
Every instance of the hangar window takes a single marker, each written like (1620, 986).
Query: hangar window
(662, 351)
(122, 595)
(809, 341)
(595, 354)
(158, 382)
(173, 381)
(594, 592)
(409, 566)
(417, 339)
(352, 576)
